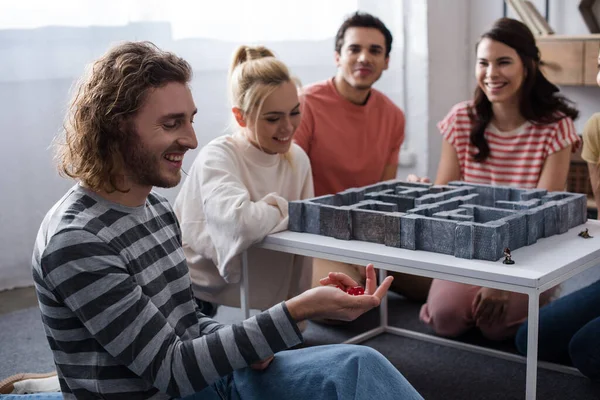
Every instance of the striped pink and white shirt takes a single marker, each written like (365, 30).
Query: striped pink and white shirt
(516, 157)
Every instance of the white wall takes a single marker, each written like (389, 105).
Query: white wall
(426, 77)
(35, 86)
(415, 82)
(33, 101)
(448, 78)
(437, 39)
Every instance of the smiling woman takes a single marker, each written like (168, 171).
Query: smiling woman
(272, 129)
(239, 186)
(517, 131)
(265, 99)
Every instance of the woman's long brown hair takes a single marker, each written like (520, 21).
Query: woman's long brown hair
(540, 100)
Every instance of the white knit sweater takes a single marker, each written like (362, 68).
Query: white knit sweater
(234, 196)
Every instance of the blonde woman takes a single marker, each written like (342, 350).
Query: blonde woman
(239, 186)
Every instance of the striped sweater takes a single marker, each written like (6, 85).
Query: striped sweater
(117, 305)
(516, 158)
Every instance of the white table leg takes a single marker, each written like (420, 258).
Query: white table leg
(244, 289)
(383, 306)
(532, 344)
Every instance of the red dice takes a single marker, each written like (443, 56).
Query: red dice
(354, 291)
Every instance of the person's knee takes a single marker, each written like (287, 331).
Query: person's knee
(521, 339)
(369, 355)
(357, 352)
(585, 353)
(446, 319)
(355, 357)
(358, 372)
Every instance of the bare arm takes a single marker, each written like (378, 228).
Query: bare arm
(594, 170)
(449, 166)
(555, 171)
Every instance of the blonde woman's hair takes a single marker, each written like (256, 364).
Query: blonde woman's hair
(254, 74)
(91, 146)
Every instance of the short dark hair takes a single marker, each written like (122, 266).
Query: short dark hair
(363, 20)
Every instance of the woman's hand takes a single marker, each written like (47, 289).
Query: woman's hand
(490, 306)
(416, 179)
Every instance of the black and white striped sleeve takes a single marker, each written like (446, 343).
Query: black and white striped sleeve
(91, 279)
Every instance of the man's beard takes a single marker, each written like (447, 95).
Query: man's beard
(142, 166)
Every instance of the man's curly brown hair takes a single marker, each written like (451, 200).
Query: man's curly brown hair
(90, 148)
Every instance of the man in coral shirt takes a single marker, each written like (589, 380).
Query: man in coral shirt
(351, 132)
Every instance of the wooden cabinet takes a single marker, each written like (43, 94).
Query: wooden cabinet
(562, 61)
(590, 62)
(570, 60)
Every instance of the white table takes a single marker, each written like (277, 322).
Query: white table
(538, 267)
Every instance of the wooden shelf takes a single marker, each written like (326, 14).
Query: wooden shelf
(553, 38)
(570, 59)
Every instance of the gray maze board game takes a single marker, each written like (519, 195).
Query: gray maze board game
(466, 220)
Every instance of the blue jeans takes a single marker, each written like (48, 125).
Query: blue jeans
(323, 372)
(569, 331)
